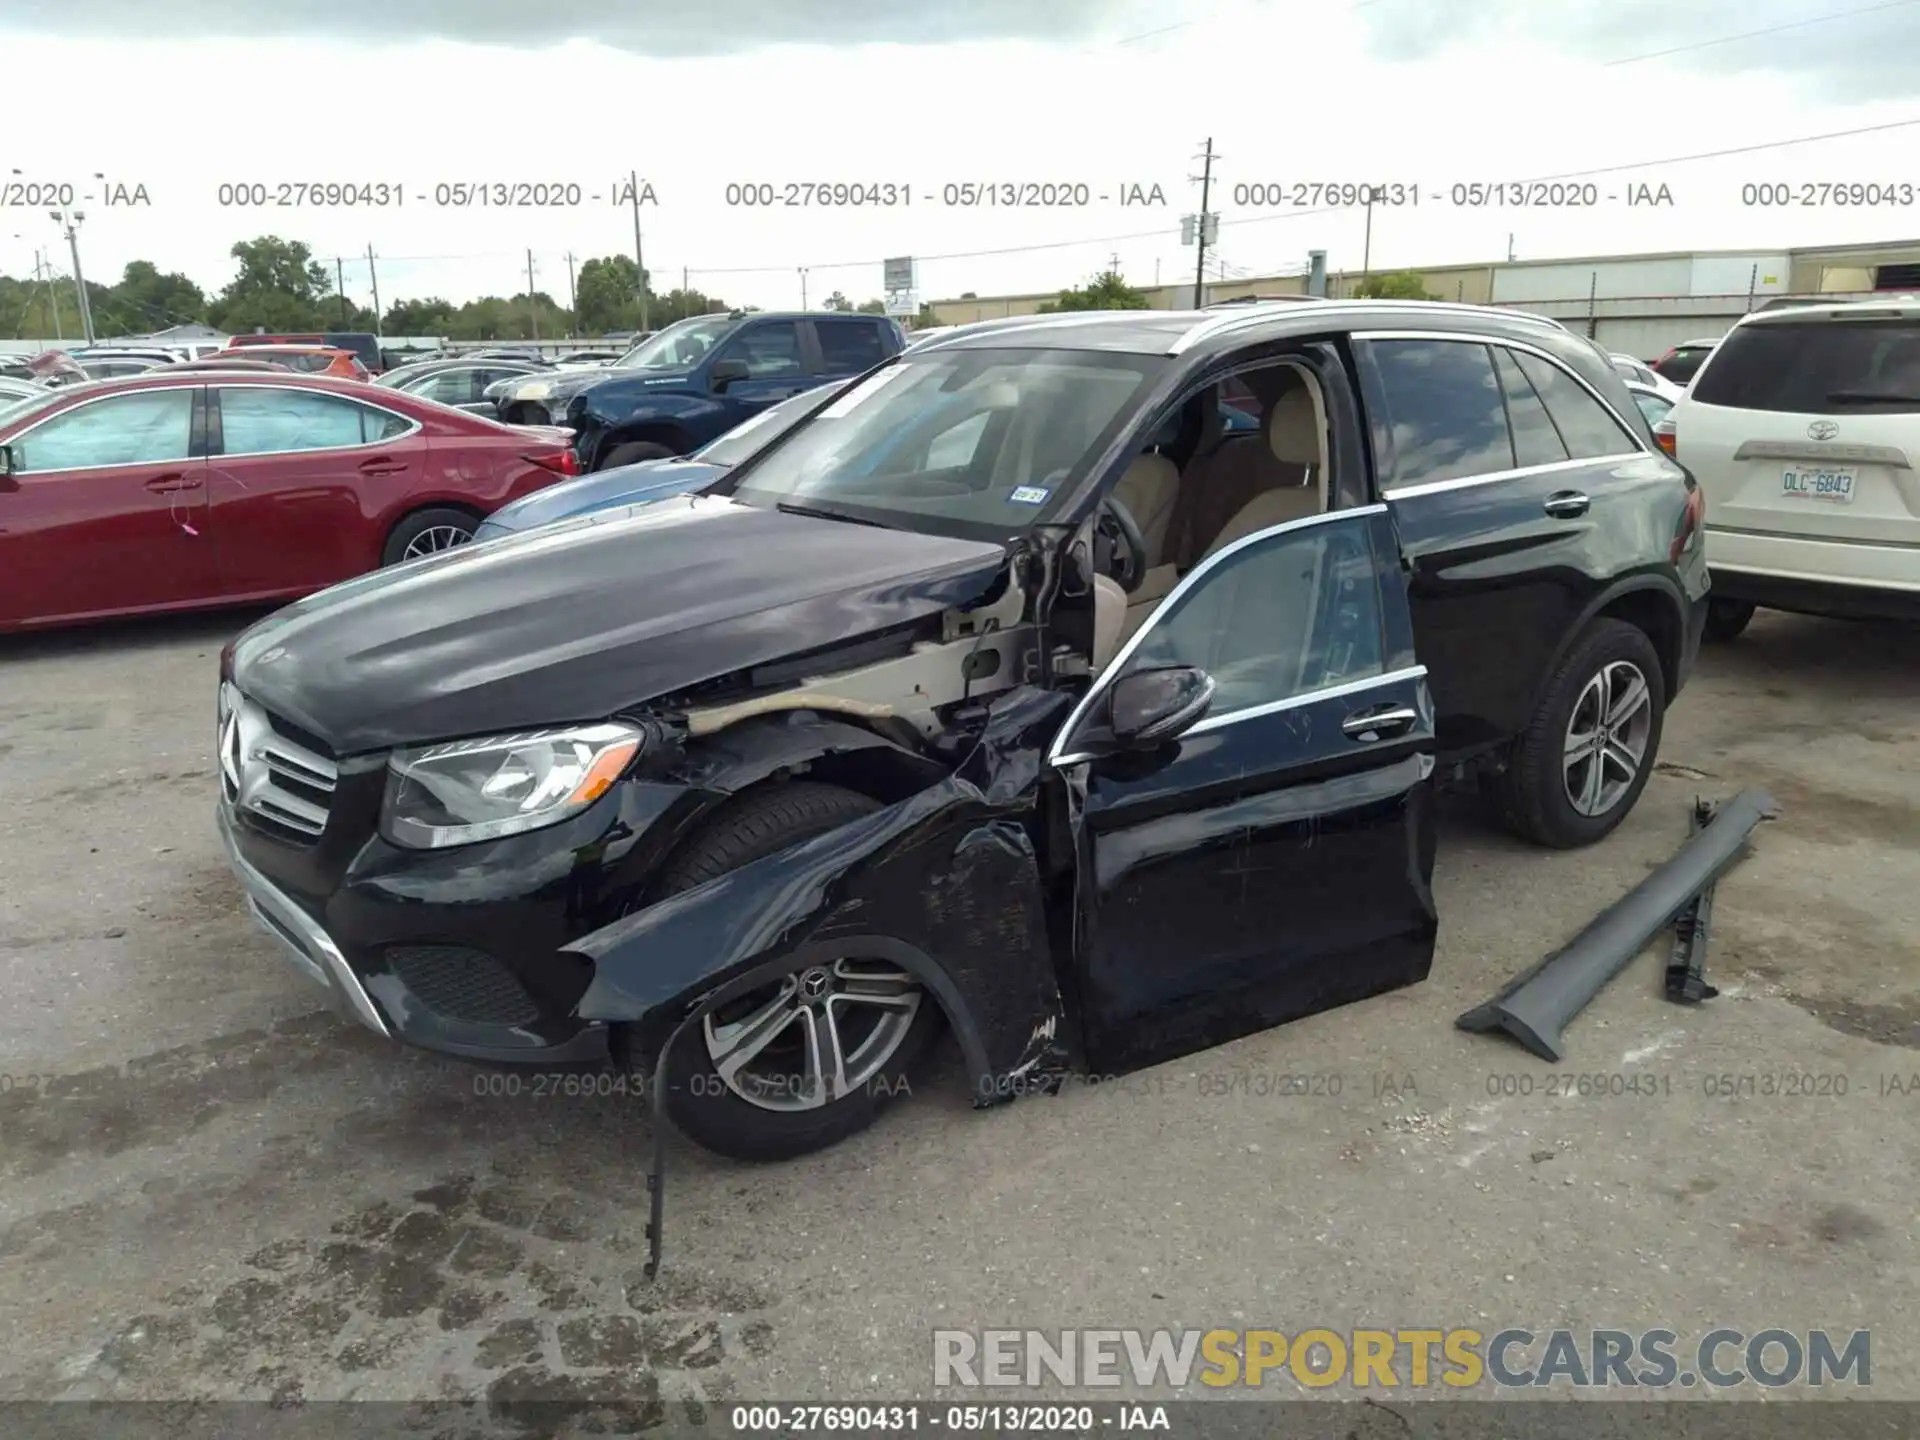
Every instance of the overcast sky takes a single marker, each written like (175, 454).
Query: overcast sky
(918, 95)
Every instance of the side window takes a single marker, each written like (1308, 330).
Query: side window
(449, 387)
(1535, 441)
(274, 420)
(1281, 618)
(771, 350)
(147, 428)
(1585, 425)
(488, 377)
(849, 346)
(1444, 409)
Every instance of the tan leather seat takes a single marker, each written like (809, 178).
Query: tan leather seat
(1296, 437)
(1148, 490)
(1109, 619)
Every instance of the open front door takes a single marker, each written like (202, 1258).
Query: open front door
(1273, 858)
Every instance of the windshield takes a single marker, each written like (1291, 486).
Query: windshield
(978, 442)
(750, 437)
(679, 346)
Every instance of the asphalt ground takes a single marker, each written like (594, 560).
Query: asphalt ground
(211, 1188)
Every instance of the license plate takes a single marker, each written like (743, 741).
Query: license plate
(1806, 483)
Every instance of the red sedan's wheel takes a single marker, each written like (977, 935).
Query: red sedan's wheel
(427, 532)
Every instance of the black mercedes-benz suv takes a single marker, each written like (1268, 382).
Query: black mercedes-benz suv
(1014, 691)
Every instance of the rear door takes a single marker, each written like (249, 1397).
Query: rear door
(848, 347)
(1275, 859)
(1515, 488)
(108, 509)
(775, 368)
(1808, 426)
(299, 481)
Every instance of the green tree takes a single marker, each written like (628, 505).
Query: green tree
(145, 299)
(680, 304)
(1393, 285)
(280, 287)
(836, 301)
(926, 319)
(1105, 291)
(606, 295)
(432, 316)
(873, 307)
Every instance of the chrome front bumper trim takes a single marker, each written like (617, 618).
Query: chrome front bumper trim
(309, 947)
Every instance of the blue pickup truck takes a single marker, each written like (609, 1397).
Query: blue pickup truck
(697, 379)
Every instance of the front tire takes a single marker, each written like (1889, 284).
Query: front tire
(633, 452)
(427, 532)
(1581, 763)
(812, 1058)
(1726, 619)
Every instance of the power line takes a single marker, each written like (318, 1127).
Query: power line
(1769, 30)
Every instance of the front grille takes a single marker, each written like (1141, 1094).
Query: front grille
(282, 785)
(462, 984)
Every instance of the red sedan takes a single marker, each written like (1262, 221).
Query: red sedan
(155, 492)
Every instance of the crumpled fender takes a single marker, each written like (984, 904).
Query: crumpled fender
(945, 883)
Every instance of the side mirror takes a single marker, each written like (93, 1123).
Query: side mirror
(7, 462)
(725, 372)
(1150, 706)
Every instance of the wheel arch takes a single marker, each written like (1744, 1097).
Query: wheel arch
(1655, 605)
(655, 430)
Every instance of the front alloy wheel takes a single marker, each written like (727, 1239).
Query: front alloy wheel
(434, 539)
(815, 1037)
(1606, 738)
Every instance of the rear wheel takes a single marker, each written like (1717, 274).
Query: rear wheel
(812, 1057)
(1584, 758)
(633, 452)
(1726, 619)
(426, 532)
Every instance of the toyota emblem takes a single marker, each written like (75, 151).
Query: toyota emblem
(1822, 430)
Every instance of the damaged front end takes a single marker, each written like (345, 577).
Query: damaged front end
(945, 883)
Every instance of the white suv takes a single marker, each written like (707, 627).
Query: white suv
(1803, 429)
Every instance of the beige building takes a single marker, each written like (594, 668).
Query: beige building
(1636, 304)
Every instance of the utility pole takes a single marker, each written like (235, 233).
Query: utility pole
(573, 299)
(1113, 264)
(44, 272)
(1366, 244)
(71, 222)
(803, 287)
(340, 284)
(533, 309)
(373, 279)
(639, 254)
(1509, 247)
(1200, 233)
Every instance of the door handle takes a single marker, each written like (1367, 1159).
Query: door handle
(1380, 723)
(171, 484)
(1567, 505)
(382, 467)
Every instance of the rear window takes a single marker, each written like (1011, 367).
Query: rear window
(1683, 363)
(1846, 367)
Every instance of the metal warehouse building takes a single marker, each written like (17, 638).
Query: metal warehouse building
(1635, 304)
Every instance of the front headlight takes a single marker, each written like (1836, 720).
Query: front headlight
(468, 790)
(534, 390)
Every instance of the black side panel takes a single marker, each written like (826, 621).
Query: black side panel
(944, 883)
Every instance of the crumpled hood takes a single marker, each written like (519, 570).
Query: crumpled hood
(603, 490)
(579, 620)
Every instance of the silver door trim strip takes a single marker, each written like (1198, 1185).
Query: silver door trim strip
(1463, 482)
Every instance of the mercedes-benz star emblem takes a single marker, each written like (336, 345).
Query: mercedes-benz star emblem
(230, 752)
(1822, 430)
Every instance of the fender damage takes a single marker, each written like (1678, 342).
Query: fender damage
(945, 883)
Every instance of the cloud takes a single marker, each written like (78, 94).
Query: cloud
(664, 28)
(1846, 57)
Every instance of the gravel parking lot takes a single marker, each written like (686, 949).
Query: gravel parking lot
(211, 1188)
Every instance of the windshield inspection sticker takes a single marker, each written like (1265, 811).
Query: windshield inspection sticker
(1030, 495)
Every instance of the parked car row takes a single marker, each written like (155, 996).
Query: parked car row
(964, 685)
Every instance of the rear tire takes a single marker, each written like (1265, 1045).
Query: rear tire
(426, 532)
(790, 1114)
(1576, 770)
(633, 452)
(1726, 619)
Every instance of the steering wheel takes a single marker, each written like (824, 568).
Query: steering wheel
(1128, 545)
